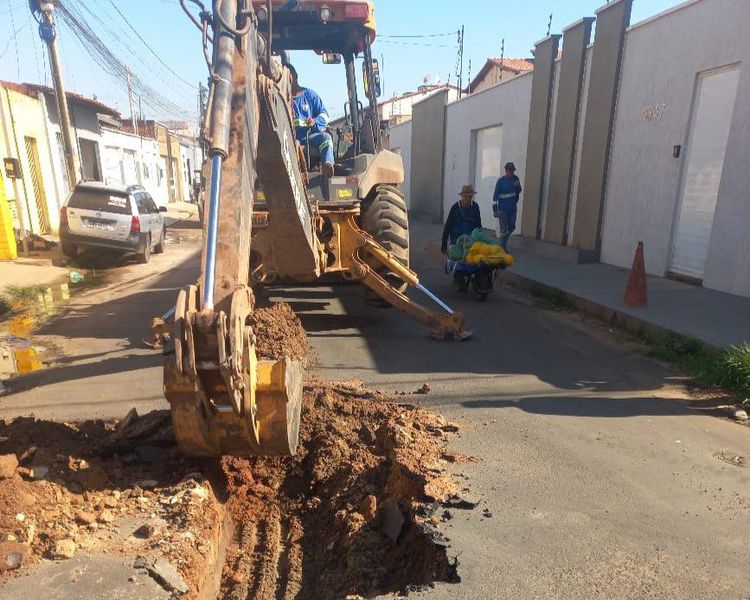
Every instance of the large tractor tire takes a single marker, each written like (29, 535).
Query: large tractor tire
(385, 218)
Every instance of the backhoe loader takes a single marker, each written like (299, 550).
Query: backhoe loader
(271, 215)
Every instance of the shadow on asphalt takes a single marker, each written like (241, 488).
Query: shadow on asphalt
(510, 339)
(572, 406)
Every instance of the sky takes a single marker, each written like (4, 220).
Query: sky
(167, 63)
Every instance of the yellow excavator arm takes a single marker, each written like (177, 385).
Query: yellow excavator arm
(223, 399)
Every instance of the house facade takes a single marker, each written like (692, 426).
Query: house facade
(35, 180)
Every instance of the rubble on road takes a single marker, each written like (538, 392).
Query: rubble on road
(358, 505)
(92, 502)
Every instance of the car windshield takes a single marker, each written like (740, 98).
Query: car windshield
(102, 200)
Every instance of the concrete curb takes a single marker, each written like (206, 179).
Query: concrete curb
(608, 314)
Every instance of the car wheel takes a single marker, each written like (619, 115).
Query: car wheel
(145, 256)
(70, 250)
(159, 248)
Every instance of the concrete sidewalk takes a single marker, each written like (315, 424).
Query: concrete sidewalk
(31, 271)
(715, 318)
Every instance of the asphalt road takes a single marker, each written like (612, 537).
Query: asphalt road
(600, 484)
(102, 368)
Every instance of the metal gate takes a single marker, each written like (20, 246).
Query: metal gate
(40, 198)
(715, 95)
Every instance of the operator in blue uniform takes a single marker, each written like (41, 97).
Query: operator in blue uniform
(505, 202)
(310, 122)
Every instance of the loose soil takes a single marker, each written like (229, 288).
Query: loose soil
(354, 514)
(279, 333)
(76, 483)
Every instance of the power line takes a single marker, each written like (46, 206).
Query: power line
(11, 9)
(424, 35)
(414, 44)
(34, 44)
(123, 43)
(11, 39)
(145, 43)
(15, 40)
(94, 45)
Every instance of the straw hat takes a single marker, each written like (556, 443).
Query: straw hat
(468, 190)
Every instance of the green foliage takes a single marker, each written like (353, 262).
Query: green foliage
(553, 299)
(24, 294)
(736, 370)
(4, 306)
(729, 369)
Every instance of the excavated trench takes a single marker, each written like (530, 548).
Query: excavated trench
(350, 514)
(353, 514)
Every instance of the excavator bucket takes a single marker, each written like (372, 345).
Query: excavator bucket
(204, 429)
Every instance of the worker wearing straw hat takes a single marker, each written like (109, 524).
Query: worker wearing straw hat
(463, 218)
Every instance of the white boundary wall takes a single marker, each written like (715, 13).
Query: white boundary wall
(399, 140)
(506, 104)
(663, 57)
(132, 160)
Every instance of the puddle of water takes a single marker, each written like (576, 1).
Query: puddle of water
(18, 355)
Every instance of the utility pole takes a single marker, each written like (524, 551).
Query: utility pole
(502, 59)
(461, 69)
(133, 119)
(202, 104)
(48, 34)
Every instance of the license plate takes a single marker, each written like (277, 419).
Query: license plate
(100, 225)
(260, 220)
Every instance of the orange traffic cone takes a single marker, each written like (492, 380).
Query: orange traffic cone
(635, 290)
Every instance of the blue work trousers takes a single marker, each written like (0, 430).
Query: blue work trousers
(321, 144)
(506, 215)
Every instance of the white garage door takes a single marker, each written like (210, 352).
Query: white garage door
(712, 116)
(488, 145)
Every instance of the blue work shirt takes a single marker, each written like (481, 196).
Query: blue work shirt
(460, 221)
(507, 192)
(309, 104)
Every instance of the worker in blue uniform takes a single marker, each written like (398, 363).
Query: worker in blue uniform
(310, 122)
(505, 202)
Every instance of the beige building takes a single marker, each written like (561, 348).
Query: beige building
(30, 177)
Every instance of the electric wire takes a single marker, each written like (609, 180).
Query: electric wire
(150, 49)
(416, 36)
(15, 39)
(123, 43)
(12, 39)
(34, 45)
(414, 44)
(109, 62)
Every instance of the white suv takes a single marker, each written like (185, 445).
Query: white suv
(114, 217)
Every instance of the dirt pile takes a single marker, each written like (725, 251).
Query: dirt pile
(76, 491)
(279, 333)
(353, 513)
